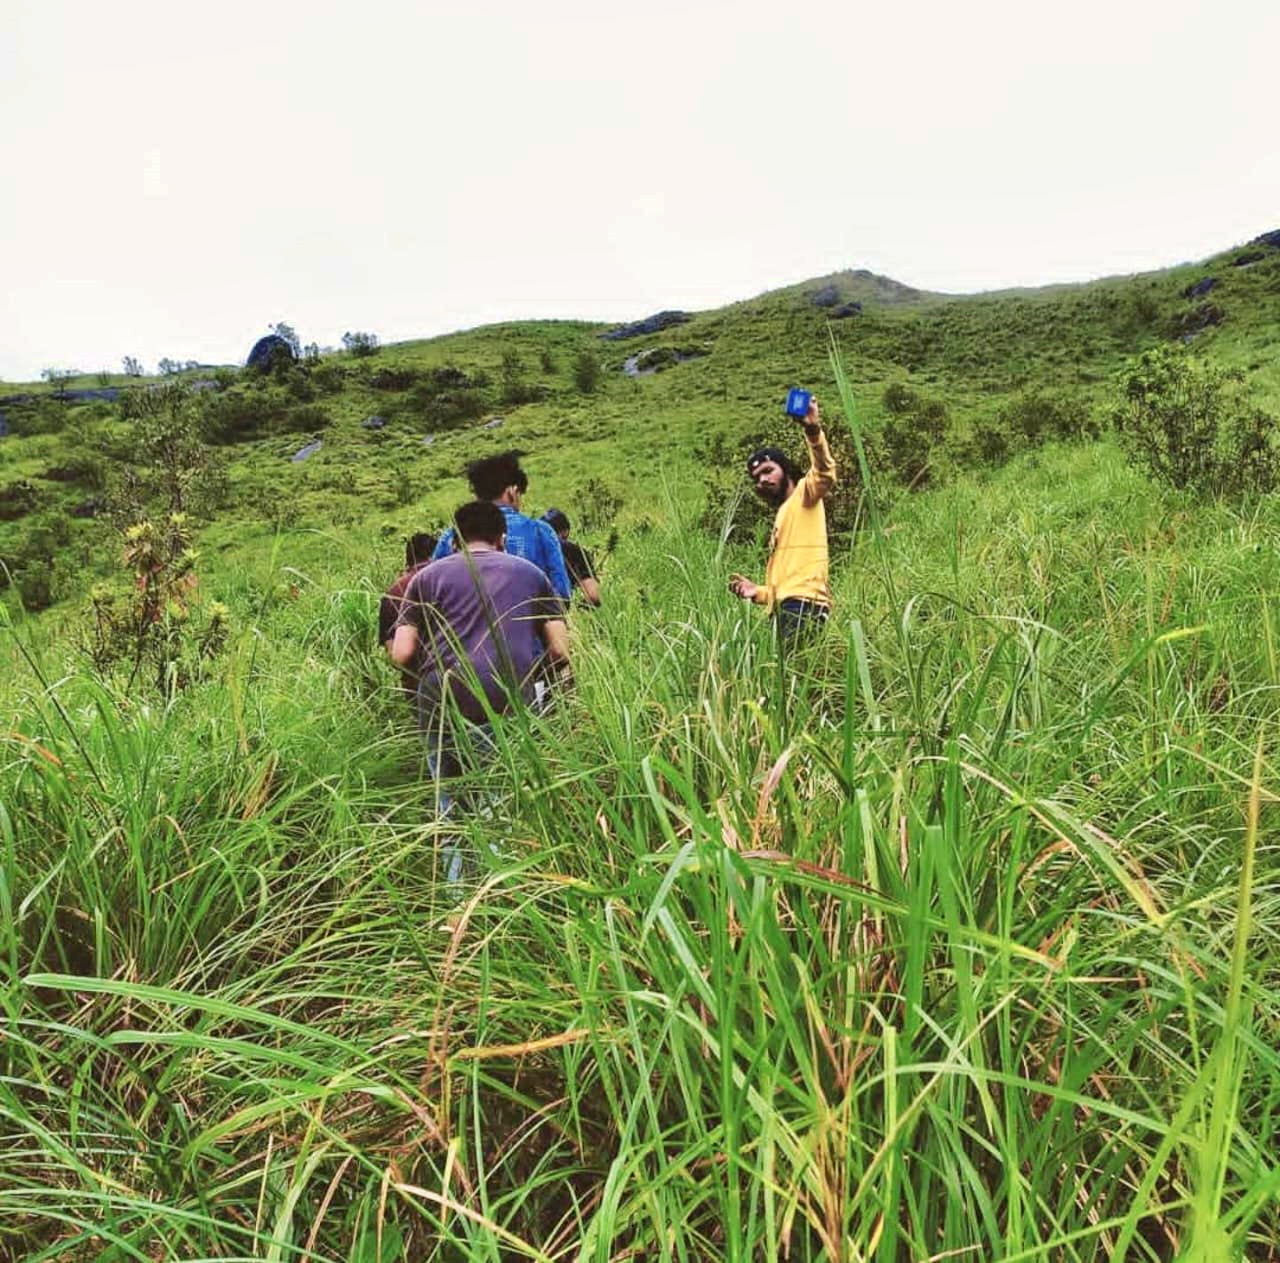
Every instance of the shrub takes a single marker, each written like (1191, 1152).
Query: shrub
(17, 500)
(85, 471)
(329, 377)
(239, 414)
(361, 344)
(915, 430)
(586, 371)
(447, 409)
(1190, 425)
(153, 624)
(393, 378)
(1037, 416)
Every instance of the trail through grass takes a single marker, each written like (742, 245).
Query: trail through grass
(953, 937)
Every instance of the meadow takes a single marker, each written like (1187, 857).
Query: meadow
(955, 936)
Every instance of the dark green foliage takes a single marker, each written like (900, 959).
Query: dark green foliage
(514, 388)
(1037, 416)
(42, 415)
(171, 465)
(1189, 424)
(298, 385)
(914, 435)
(17, 500)
(586, 371)
(251, 412)
(34, 567)
(360, 344)
(84, 471)
(447, 409)
(329, 378)
(394, 377)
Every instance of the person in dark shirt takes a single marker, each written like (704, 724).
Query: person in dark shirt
(417, 553)
(479, 628)
(582, 574)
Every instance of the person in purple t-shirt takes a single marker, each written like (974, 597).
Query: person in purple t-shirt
(477, 626)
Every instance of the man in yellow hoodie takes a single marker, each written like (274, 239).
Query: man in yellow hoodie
(795, 585)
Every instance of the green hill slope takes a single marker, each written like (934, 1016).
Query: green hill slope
(976, 354)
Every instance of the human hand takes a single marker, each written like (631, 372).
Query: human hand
(741, 586)
(812, 420)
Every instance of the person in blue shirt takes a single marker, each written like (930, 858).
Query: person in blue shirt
(500, 480)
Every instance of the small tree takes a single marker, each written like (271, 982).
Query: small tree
(132, 366)
(59, 379)
(1190, 424)
(586, 371)
(361, 344)
(168, 368)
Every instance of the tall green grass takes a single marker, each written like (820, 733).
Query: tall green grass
(954, 936)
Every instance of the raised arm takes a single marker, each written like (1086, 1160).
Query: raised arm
(821, 477)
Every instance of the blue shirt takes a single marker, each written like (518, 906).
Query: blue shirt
(530, 538)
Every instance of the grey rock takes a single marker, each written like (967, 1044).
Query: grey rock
(267, 350)
(846, 310)
(826, 296)
(428, 439)
(1271, 239)
(203, 385)
(1248, 258)
(303, 453)
(4, 426)
(649, 325)
(494, 424)
(88, 508)
(104, 394)
(1200, 288)
(374, 423)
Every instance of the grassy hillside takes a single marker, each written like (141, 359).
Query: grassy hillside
(955, 937)
(977, 355)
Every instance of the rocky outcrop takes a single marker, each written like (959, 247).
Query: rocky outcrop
(648, 326)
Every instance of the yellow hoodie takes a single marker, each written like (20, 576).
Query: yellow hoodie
(797, 564)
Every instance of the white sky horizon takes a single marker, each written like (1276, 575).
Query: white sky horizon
(180, 178)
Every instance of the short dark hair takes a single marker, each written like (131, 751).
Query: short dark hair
(491, 476)
(418, 548)
(557, 520)
(480, 522)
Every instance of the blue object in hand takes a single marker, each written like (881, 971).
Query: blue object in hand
(798, 403)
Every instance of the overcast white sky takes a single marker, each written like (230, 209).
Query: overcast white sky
(178, 175)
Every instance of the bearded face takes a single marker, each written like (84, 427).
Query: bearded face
(771, 482)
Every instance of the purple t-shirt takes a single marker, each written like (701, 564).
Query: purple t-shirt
(479, 619)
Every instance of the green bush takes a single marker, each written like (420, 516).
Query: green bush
(914, 433)
(586, 371)
(447, 409)
(1190, 424)
(1038, 416)
(361, 344)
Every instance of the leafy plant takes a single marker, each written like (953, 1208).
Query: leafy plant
(1191, 425)
(587, 371)
(153, 624)
(361, 345)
